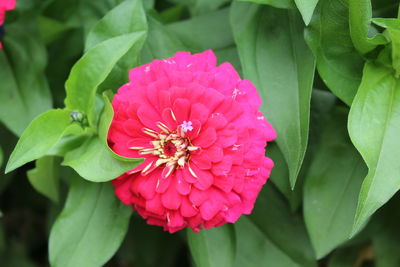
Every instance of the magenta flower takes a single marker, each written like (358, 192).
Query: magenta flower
(203, 139)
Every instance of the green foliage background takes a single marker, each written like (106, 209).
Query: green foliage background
(329, 75)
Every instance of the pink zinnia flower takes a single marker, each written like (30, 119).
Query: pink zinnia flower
(203, 139)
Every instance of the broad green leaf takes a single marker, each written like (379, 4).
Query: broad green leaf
(128, 17)
(279, 226)
(254, 249)
(276, 59)
(161, 42)
(229, 54)
(209, 31)
(306, 8)
(67, 143)
(338, 63)
(213, 247)
(360, 14)
(93, 68)
(24, 91)
(374, 124)
(90, 228)
(44, 177)
(332, 186)
(39, 137)
(274, 3)
(93, 161)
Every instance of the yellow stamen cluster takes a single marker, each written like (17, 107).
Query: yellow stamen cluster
(172, 147)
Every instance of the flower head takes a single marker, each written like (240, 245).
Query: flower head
(203, 139)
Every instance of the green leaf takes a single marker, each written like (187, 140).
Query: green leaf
(209, 31)
(213, 247)
(161, 42)
(360, 12)
(279, 230)
(95, 163)
(338, 63)
(128, 17)
(67, 143)
(254, 249)
(276, 59)
(229, 54)
(90, 228)
(93, 68)
(44, 177)
(306, 8)
(41, 135)
(374, 124)
(274, 3)
(24, 89)
(393, 29)
(332, 186)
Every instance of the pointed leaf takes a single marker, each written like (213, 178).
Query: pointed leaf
(254, 249)
(213, 247)
(128, 17)
(338, 63)
(24, 90)
(281, 66)
(374, 124)
(360, 12)
(93, 68)
(95, 163)
(39, 137)
(306, 8)
(161, 42)
(90, 228)
(332, 186)
(208, 31)
(273, 218)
